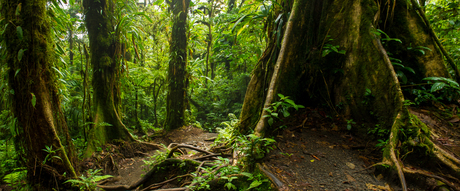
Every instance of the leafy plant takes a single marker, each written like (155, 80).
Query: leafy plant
(328, 48)
(281, 106)
(157, 158)
(16, 179)
(451, 89)
(51, 153)
(88, 182)
(350, 122)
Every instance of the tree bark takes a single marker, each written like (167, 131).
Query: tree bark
(106, 51)
(177, 74)
(35, 102)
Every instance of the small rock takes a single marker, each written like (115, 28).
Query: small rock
(351, 165)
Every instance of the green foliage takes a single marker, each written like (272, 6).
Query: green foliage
(227, 173)
(157, 158)
(282, 106)
(51, 153)
(16, 179)
(444, 18)
(328, 48)
(442, 89)
(88, 182)
(350, 123)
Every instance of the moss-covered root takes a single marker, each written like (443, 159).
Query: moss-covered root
(446, 158)
(429, 174)
(403, 120)
(158, 173)
(390, 155)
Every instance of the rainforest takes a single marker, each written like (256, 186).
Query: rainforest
(181, 95)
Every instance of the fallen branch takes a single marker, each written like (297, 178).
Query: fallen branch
(188, 147)
(211, 155)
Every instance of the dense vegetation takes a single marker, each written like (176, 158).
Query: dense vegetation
(129, 57)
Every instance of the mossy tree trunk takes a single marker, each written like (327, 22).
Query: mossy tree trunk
(177, 74)
(308, 77)
(106, 53)
(361, 78)
(35, 101)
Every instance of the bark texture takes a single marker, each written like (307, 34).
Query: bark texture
(177, 74)
(35, 101)
(106, 51)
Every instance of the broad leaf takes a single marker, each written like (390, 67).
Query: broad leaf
(19, 32)
(34, 99)
(437, 86)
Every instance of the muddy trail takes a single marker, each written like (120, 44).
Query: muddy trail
(312, 152)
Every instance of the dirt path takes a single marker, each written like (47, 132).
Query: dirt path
(132, 169)
(312, 159)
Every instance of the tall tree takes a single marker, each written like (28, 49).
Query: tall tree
(177, 74)
(35, 101)
(106, 52)
(331, 52)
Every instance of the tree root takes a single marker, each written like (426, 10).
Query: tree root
(188, 147)
(275, 181)
(442, 155)
(153, 174)
(431, 175)
(391, 147)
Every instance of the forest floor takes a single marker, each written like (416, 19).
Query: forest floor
(314, 152)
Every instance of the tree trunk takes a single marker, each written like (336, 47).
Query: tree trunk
(175, 108)
(35, 102)
(357, 72)
(106, 52)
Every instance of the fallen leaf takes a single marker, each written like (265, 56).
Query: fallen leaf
(312, 160)
(454, 119)
(350, 178)
(350, 165)
(335, 127)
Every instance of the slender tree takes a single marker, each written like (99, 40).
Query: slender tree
(106, 51)
(43, 134)
(332, 53)
(177, 74)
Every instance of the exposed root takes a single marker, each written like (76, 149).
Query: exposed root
(448, 159)
(391, 148)
(159, 169)
(275, 181)
(188, 147)
(431, 175)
